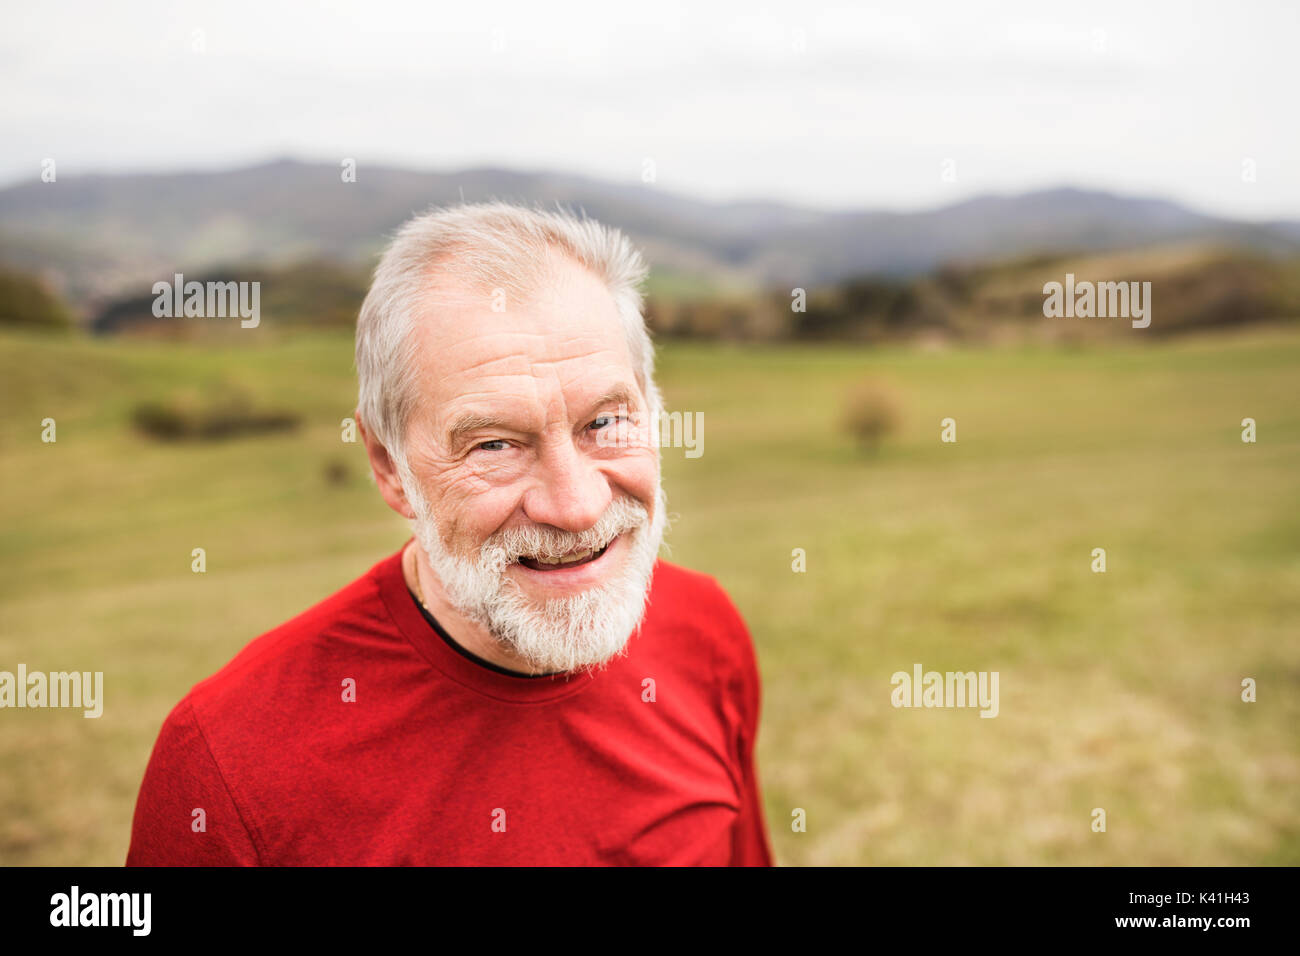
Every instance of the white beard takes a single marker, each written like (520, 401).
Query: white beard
(567, 633)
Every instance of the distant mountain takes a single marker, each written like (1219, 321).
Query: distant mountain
(101, 236)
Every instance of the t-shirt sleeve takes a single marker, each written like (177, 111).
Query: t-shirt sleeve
(185, 815)
(750, 846)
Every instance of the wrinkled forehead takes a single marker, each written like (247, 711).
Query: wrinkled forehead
(563, 328)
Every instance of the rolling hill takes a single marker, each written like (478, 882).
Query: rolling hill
(100, 237)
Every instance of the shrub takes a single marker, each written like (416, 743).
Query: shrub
(336, 472)
(224, 414)
(871, 412)
(26, 301)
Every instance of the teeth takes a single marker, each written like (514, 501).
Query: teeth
(571, 559)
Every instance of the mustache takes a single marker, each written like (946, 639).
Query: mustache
(544, 541)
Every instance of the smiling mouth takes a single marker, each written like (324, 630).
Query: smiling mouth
(574, 560)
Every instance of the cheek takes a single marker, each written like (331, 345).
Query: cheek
(638, 475)
(469, 509)
(479, 499)
(480, 518)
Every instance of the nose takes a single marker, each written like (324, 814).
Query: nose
(569, 492)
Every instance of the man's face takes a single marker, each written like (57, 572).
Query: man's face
(519, 460)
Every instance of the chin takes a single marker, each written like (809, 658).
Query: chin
(562, 614)
(587, 628)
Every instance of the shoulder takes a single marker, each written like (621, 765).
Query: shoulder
(690, 611)
(684, 595)
(695, 602)
(287, 659)
(681, 581)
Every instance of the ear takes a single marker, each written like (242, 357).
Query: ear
(384, 469)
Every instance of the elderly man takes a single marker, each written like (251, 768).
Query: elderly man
(524, 682)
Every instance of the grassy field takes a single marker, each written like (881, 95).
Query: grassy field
(1118, 690)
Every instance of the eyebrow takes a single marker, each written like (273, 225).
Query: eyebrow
(618, 395)
(470, 422)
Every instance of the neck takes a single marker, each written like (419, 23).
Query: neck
(469, 634)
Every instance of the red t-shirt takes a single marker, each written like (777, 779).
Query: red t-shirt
(439, 760)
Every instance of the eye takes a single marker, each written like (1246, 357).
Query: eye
(495, 441)
(604, 421)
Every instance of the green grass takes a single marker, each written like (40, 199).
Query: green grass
(1118, 690)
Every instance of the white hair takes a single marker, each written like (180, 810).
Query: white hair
(483, 246)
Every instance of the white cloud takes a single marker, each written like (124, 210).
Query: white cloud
(829, 104)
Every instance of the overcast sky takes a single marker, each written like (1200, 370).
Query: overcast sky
(855, 104)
